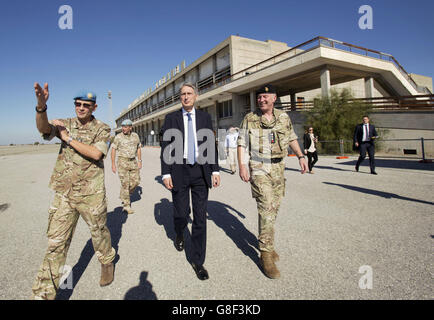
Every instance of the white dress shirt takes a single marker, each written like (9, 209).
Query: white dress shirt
(185, 120)
(312, 144)
(231, 140)
(365, 132)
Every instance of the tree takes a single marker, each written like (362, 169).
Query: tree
(334, 118)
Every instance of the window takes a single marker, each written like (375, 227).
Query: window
(300, 101)
(225, 109)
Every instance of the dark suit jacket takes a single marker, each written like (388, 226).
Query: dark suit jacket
(174, 120)
(358, 133)
(306, 141)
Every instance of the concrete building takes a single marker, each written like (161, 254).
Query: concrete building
(228, 75)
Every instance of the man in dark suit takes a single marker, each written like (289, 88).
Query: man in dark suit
(189, 162)
(364, 136)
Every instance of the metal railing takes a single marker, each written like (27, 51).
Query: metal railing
(421, 148)
(411, 103)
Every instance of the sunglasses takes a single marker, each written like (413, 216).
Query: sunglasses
(86, 105)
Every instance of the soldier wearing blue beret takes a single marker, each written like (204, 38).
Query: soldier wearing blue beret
(78, 182)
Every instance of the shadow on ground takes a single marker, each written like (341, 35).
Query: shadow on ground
(225, 170)
(115, 221)
(394, 163)
(4, 206)
(383, 194)
(223, 216)
(143, 291)
(137, 194)
(159, 180)
(163, 214)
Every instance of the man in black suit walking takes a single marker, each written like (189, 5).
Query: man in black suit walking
(364, 136)
(189, 162)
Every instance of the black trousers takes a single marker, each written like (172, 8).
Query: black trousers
(195, 183)
(370, 148)
(310, 156)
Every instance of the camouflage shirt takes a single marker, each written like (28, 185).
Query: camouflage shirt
(266, 139)
(75, 174)
(126, 144)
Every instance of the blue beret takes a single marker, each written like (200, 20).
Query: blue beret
(127, 122)
(86, 96)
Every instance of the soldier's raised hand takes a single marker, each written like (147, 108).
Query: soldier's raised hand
(41, 94)
(62, 130)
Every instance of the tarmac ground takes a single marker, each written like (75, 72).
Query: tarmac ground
(340, 234)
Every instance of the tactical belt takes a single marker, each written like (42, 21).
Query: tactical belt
(127, 158)
(272, 160)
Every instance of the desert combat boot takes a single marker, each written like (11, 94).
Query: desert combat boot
(107, 274)
(267, 262)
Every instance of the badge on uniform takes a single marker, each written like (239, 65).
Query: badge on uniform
(272, 137)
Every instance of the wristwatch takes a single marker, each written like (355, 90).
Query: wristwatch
(41, 111)
(301, 157)
(69, 140)
(140, 160)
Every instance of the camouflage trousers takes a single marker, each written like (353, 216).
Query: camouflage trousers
(232, 158)
(62, 220)
(268, 188)
(129, 176)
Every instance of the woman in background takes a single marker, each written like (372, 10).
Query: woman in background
(310, 142)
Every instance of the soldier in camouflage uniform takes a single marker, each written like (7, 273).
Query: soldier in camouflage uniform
(78, 182)
(127, 144)
(264, 137)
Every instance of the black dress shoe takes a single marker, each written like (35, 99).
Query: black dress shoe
(373, 172)
(357, 168)
(201, 272)
(179, 243)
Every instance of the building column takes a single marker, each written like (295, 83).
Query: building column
(213, 112)
(369, 87)
(153, 136)
(147, 133)
(325, 82)
(252, 101)
(293, 101)
(157, 131)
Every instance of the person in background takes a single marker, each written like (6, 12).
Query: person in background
(309, 142)
(231, 148)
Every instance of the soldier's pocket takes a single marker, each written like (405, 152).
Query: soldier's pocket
(52, 211)
(281, 139)
(256, 189)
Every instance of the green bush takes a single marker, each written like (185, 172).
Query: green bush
(334, 118)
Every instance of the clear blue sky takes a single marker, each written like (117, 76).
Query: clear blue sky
(125, 46)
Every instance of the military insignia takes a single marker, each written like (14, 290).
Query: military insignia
(89, 95)
(266, 89)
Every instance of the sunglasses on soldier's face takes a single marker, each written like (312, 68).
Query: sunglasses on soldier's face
(79, 104)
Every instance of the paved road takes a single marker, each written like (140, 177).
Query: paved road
(330, 224)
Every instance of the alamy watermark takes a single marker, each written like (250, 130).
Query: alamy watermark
(66, 281)
(256, 141)
(366, 281)
(65, 21)
(366, 21)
